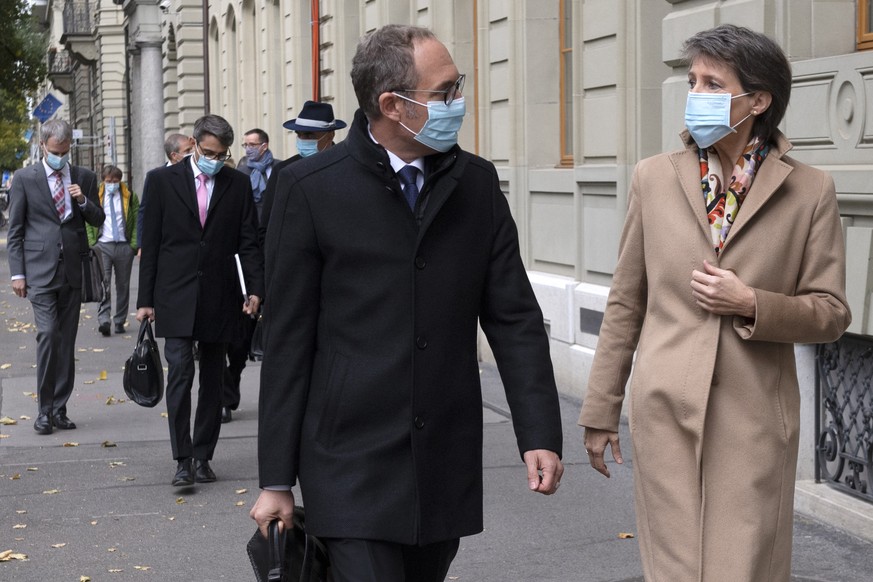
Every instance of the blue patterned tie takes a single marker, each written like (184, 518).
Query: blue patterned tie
(408, 178)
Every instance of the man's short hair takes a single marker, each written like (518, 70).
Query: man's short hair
(214, 125)
(55, 128)
(262, 135)
(173, 144)
(110, 171)
(385, 61)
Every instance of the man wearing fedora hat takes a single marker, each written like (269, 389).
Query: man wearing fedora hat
(315, 127)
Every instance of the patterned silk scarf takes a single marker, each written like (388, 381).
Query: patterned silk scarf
(723, 204)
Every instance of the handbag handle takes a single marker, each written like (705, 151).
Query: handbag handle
(277, 553)
(145, 329)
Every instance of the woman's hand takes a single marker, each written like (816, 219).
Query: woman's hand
(595, 445)
(721, 292)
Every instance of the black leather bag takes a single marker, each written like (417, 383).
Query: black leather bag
(93, 285)
(256, 347)
(143, 374)
(293, 556)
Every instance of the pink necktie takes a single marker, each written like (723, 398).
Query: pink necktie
(202, 197)
(58, 195)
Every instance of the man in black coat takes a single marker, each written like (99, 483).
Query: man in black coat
(199, 216)
(386, 251)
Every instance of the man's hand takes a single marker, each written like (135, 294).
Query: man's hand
(595, 445)
(251, 306)
(545, 462)
(273, 505)
(721, 292)
(76, 194)
(19, 287)
(144, 312)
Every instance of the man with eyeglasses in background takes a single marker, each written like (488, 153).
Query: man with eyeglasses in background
(200, 214)
(385, 251)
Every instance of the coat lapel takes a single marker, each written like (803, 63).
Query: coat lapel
(221, 183)
(185, 186)
(686, 164)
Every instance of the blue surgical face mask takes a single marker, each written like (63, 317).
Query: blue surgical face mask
(252, 153)
(207, 166)
(111, 187)
(56, 162)
(440, 131)
(708, 117)
(307, 147)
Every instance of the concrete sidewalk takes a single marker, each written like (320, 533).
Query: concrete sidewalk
(109, 513)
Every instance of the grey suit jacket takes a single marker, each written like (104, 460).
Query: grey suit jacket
(36, 236)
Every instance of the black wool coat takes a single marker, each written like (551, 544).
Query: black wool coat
(187, 272)
(370, 389)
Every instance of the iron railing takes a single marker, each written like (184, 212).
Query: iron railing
(77, 17)
(844, 426)
(59, 62)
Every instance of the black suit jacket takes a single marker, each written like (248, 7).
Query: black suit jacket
(187, 273)
(370, 381)
(270, 195)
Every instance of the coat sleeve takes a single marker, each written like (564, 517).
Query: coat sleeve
(93, 210)
(17, 216)
(151, 242)
(291, 317)
(622, 323)
(818, 311)
(513, 323)
(250, 253)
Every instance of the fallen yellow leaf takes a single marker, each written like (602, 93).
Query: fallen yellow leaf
(143, 568)
(84, 578)
(5, 366)
(19, 526)
(240, 503)
(9, 555)
(23, 417)
(241, 491)
(4, 436)
(94, 522)
(8, 421)
(165, 415)
(111, 400)
(58, 545)
(15, 477)
(114, 464)
(33, 469)
(112, 549)
(21, 511)
(31, 394)
(51, 492)
(108, 444)
(171, 518)
(88, 382)
(625, 536)
(82, 350)
(180, 500)
(71, 444)
(103, 374)
(115, 570)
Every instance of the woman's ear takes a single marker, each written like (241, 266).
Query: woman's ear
(389, 106)
(761, 102)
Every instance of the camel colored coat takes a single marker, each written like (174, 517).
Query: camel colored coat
(714, 399)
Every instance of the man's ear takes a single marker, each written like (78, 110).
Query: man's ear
(389, 106)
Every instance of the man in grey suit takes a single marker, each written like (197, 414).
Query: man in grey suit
(49, 204)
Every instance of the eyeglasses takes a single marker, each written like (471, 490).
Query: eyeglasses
(449, 94)
(210, 155)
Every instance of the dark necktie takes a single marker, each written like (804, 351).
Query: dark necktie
(408, 178)
(59, 196)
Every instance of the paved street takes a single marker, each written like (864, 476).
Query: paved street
(96, 501)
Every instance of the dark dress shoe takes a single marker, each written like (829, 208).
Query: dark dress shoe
(226, 415)
(184, 475)
(202, 472)
(119, 329)
(43, 424)
(62, 421)
(104, 329)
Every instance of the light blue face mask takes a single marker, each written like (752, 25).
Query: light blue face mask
(708, 117)
(440, 131)
(111, 188)
(56, 162)
(307, 147)
(207, 166)
(252, 153)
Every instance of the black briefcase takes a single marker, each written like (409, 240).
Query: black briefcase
(143, 374)
(93, 286)
(293, 556)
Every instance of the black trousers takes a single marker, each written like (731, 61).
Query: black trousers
(237, 356)
(354, 560)
(179, 352)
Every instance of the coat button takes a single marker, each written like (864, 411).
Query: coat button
(420, 263)
(199, 273)
(419, 422)
(421, 342)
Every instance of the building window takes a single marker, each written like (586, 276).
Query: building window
(865, 24)
(565, 34)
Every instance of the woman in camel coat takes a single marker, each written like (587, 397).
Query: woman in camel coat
(719, 274)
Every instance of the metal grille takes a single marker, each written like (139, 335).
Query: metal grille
(844, 388)
(77, 17)
(59, 62)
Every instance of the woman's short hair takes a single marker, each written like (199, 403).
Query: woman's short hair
(55, 128)
(758, 62)
(384, 61)
(110, 171)
(214, 125)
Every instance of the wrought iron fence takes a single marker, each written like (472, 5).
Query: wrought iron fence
(59, 62)
(844, 427)
(77, 17)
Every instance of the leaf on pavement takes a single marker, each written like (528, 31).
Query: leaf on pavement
(82, 350)
(111, 400)
(59, 545)
(98, 350)
(127, 478)
(19, 526)
(114, 464)
(165, 415)
(143, 568)
(84, 578)
(8, 421)
(103, 374)
(625, 536)
(240, 503)
(94, 522)
(9, 555)
(71, 444)
(115, 570)
(88, 382)
(108, 444)
(4, 436)
(51, 492)
(21, 511)
(5, 366)
(33, 469)
(180, 500)
(241, 491)
(31, 394)
(23, 417)
(15, 477)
